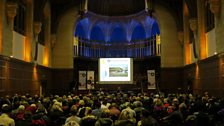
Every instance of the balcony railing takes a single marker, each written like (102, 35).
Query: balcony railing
(136, 49)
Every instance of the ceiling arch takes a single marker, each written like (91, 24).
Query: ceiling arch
(117, 29)
(97, 34)
(138, 33)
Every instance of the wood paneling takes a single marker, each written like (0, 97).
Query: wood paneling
(21, 77)
(171, 80)
(209, 76)
(62, 81)
(204, 75)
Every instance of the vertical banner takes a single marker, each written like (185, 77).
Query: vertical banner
(82, 80)
(151, 79)
(90, 80)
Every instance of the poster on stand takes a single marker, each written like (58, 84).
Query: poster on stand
(90, 80)
(151, 79)
(82, 80)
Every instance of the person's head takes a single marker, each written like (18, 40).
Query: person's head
(105, 113)
(71, 123)
(88, 111)
(126, 115)
(6, 108)
(104, 122)
(182, 107)
(57, 106)
(74, 110)
(138, 104)
(88, 121)
(124, 123)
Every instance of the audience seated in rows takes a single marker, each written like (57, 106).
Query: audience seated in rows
(112, 109)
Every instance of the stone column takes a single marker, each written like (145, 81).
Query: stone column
(47, 41)
(37, 28)
(29, 30)
(187, 53)
(201, 29)
(11, 9)
(194, 27)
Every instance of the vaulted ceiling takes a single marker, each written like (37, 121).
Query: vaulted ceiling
(112, 8)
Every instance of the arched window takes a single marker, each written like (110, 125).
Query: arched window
(97, 34)
(138, 33)
(118, 34)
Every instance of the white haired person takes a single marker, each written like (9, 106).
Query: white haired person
(5, 120)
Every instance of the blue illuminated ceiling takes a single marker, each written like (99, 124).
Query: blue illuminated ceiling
(100, 28)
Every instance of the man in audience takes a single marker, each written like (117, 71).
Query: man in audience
(5, 120)
(147, 119)
(73, 116)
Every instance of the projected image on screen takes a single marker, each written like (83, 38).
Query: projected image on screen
(115, 70)
(120, 70)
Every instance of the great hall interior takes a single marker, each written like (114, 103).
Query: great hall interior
(46, 44)
(111, 62)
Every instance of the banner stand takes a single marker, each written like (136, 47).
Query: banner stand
(151, 79)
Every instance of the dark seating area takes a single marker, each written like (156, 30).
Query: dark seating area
(113, 109)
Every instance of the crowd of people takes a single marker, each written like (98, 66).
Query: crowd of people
(112, 109)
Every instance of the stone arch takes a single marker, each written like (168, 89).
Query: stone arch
(80, 31)
(81, 28)
(117, 32)
(97, 33)
(63, 52)
(171, 51)
(138, 32)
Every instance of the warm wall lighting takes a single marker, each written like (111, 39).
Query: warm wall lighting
(27, 50)
(187, 53)
(196, 71)
(46, 61)
(35, 74)
(46, 57)
(196, 76)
